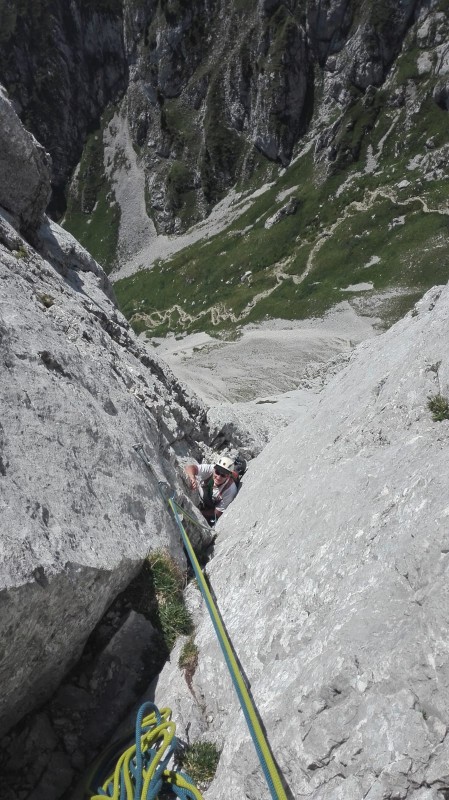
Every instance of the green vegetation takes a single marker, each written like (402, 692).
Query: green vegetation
(223, 145)
(439, 406)
(92, 215)
(21, 252)
(353, 226)
(157, 592)
(188, 659)
(179, 181)
(47, 300)
(100, 237)
(360, 120)
(200, 762)
(330, 228)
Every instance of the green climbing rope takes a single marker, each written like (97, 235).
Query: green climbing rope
(268, 765)
(271, 773)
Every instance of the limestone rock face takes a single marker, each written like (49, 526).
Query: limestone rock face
(25, 169)
(210, 89)
(79, 508)
(63, 62)
(373, 43)
(331, 573)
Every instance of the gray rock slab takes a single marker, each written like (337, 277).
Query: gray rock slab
(331, 574)
(62, 249)
(24, 169)
(79, 508)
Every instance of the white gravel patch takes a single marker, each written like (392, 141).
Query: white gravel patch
(372, 261)
(262, 378)
(358, 287)
(286, 193)
(136, 230)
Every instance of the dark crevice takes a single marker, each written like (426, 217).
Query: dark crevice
(52, 364)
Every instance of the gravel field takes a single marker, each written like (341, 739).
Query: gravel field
(265, 378)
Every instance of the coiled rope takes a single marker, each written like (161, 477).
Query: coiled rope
(141, 771)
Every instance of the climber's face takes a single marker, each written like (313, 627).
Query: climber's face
(220, 475)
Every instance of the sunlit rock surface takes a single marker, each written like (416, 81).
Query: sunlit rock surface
(331, 573)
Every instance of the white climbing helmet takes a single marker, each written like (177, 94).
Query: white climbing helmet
(225, 463)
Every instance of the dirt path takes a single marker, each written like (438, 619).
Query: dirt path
(220, 313)
(364, 205)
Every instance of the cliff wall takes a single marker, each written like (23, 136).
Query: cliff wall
(211, 92)
(79, 509)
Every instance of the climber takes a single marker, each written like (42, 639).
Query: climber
(216, 484)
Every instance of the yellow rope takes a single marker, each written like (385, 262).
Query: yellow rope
(267, 762)
(156, 745)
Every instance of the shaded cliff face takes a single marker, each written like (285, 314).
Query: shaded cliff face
(214, 89)
(79, 510)
(222, 91)
(62, 63)
(25, 196)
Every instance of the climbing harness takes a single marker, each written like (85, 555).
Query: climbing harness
(268, 765)
(141, 771)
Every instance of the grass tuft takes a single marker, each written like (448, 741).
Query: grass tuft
(188, 659)
(21, 252)
(200, 761)
(47, 300)
(157, 593)
(439, 406)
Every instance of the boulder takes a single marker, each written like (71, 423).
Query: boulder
(24, 169)
(286, 210)
(80, 510)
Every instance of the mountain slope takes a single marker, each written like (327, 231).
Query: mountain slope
(341, 107)
(359, 214)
